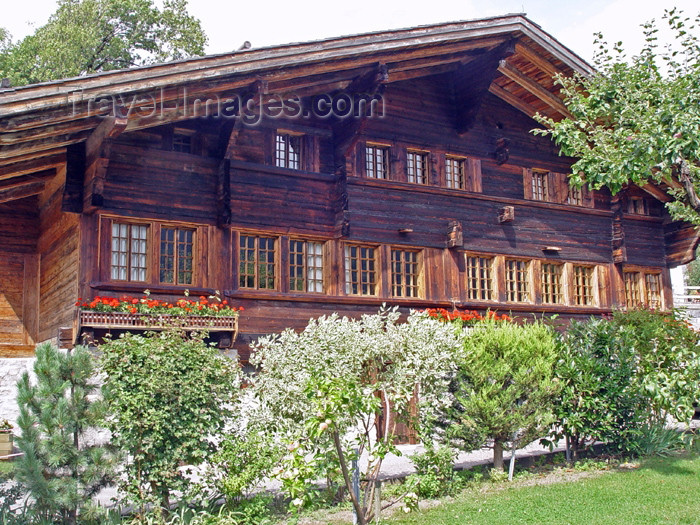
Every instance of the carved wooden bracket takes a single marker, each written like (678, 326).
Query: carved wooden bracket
(455, 238)
(223, 194)
(97, 150)
(506, 214)
(619, 250)
(502, 154)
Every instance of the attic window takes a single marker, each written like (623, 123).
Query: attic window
(182, 141)
(288, 151)
(638, 206)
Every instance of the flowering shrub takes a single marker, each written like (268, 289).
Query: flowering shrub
(466, 316)
(205, 306)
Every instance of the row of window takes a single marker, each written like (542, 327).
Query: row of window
(259, 259)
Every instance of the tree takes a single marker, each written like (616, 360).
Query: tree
(322, 391)
(59, 471)
(503, 388)
(637, 120)
(89, 36)
(170, 395)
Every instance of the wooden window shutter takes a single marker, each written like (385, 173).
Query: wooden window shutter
(558, 187)
(527, 183)
(473, 175)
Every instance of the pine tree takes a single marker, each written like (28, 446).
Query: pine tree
(58, 470)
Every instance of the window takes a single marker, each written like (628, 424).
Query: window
(550, 278)
(182, 142)
(129, 252)
(540, 186)
(176, 255)
(638, 206)
(376, 162)
(517, 281)
(360, 270)
(583, 285)
(575, 196)
(417, 167)
(405, 272)
(305, 266)
(632, 289)
(479, 278)
(257, 262)
(288, 151)
(652, 283)
(454, 173)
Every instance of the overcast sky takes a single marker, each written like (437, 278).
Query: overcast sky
(228, 24)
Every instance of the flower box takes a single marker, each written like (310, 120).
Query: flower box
(6, 438)
(138, 321)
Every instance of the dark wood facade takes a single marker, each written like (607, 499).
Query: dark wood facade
(440, 196)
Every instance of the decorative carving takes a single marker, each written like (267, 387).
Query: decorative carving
(619, 250)
(455, 237)
(506, 214)
(502, 154)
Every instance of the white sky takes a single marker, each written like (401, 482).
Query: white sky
(229, 24)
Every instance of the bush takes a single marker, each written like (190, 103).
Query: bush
(435, 475)
(170, 395)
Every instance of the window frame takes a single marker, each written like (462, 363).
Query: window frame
(299, 165)
(149, 244)
(256, 263)
(462, 172)
(386, 160)
(552, 285)
(377, 270)
(528, 292)
(176, 257)
(492, 277)
(305, 267)
(425, 162)
(575, 285)
(536, 190)
(643, 273)
(418, 277)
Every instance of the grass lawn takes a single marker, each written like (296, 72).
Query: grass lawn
(660, 490)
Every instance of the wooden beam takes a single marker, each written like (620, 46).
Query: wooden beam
(48, 143)
(537, 60)
(20, 193)
(97, 147)
(533, 87)
(24, 180)
(471, 82)
(18, 169)
(511, 99)
(656, 192)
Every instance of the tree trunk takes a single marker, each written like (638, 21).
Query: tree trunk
(346, 477)
(498, 454)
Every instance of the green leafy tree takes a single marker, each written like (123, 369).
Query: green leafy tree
(170, 396)
(59, 470)
(89, 36)
(637, 120)
(503, 388)
(322, 392)
(597, 400)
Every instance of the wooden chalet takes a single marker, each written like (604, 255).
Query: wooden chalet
(393, 167)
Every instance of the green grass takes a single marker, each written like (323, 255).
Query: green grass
(6, 469)
(660, 491)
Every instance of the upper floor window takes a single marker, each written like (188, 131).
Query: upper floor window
(582, 285)
(574, 196)
(517, 281)
(176, 255)
(305, 266)
(638, 206)
(288, 151)
(257, 262)
(454, 172)
(540, 185)
(360, 270)
(376, 161)
(405, 272)
(550, 279)
(417, 167)
(479, 278)
(129, 255)
(182, 142)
